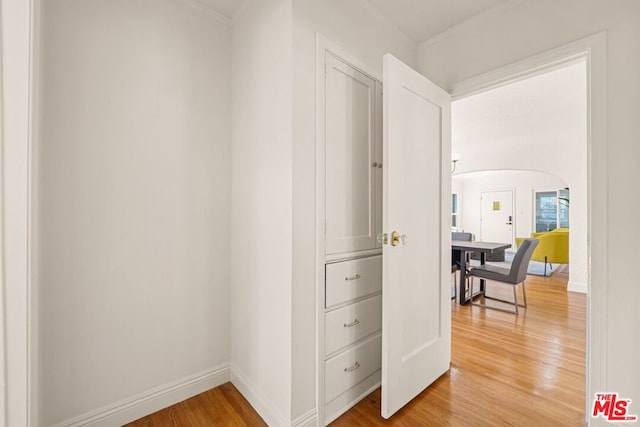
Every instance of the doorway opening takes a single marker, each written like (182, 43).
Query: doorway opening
(526, 125)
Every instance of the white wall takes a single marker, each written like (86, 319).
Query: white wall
(261, 207)
(523, 183)
(132, 208)
(540, 124)
(527, 28)
(366, 35)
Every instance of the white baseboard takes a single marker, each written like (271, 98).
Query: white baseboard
(310, 419)
(259, 402)
(139, 406)
(577, 287)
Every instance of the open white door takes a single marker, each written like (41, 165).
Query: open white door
(416, 308)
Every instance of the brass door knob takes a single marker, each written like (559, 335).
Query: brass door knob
(396, 238)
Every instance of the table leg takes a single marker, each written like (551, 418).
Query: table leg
(483, 259)
(462, 295)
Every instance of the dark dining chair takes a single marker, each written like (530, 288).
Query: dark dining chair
(512, 276)
(455, 257)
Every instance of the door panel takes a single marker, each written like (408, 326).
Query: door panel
(416, 312)
(351, 154)
(497, 216)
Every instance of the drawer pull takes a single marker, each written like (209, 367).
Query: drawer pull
(356, 277)
(356, 322)
(352, 368)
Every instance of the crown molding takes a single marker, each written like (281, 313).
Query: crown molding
(208, 9)
(460, 26)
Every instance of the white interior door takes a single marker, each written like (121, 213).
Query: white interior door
(496, 216)
(416, 308)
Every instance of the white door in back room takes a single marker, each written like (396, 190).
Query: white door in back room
(496, 216)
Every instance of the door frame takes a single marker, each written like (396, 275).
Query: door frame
(593, 50)
(18, 314)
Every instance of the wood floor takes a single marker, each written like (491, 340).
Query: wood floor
(221, 406)
(505, 370)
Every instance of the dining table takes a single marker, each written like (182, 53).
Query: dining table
(464, 247)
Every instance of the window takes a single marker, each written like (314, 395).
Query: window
(454, 210)
(563, 207)
(551, 209)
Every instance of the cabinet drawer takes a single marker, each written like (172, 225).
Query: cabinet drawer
(352, 366)
(353, 279)
(348, 324)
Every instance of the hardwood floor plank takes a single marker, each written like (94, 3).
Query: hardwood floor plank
(221, 406)
(505, 370)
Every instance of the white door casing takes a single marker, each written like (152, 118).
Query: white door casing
(496, 216)
(416, 308)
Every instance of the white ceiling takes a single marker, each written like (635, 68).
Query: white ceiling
(521, 116)
(417, 19)
(224, 7)
(422, 19)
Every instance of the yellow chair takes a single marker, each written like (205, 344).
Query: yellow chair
(553, 247)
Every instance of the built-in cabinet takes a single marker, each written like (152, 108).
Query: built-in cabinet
(352, 178)
(353, 158)
(383, 313)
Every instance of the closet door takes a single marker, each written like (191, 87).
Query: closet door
(351, 166)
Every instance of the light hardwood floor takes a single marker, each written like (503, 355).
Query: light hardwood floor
(221, 406)
(520, 370)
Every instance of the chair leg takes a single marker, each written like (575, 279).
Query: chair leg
(515, 302)
(455, 286)
(483, 294)
(550, 268)
(468, 293)
(470, 281)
